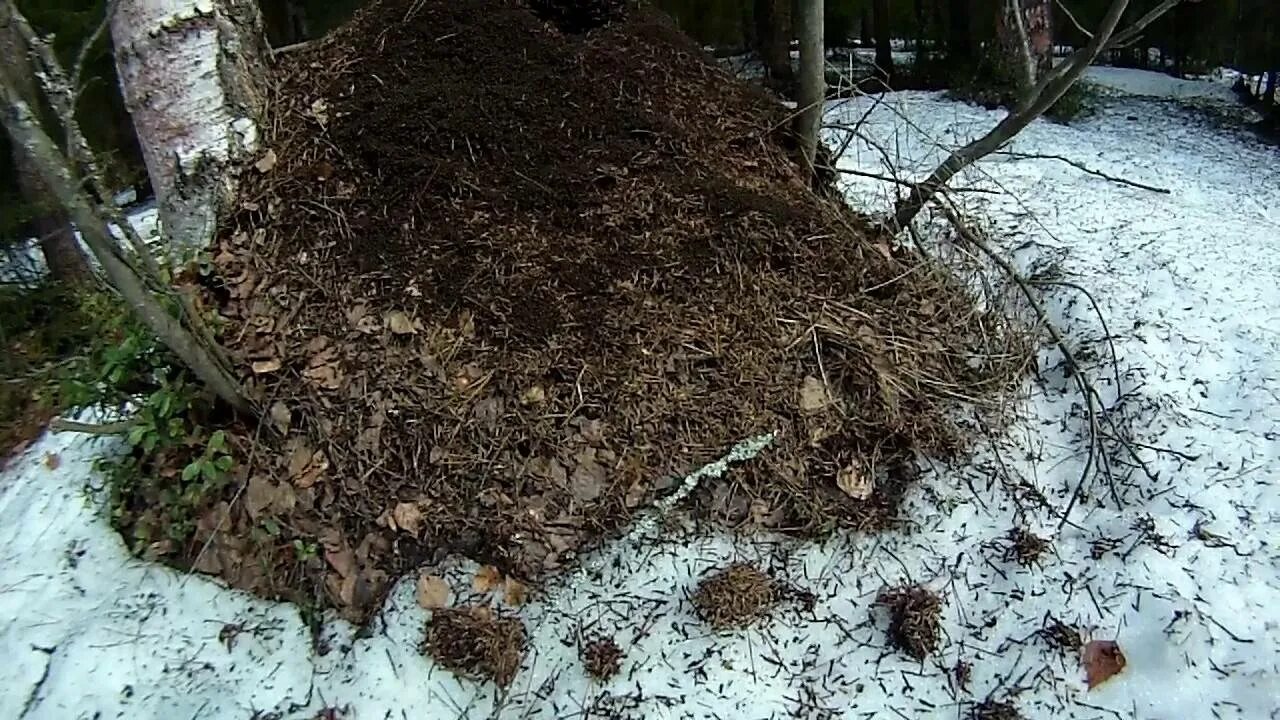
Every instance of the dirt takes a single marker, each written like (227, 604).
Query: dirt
(505, 284)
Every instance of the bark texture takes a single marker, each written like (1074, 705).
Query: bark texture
(192, 75)
(813, 81)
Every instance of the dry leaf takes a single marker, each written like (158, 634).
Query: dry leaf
(320, 111)
(587, 481)
(262, 367)
(487, 578)
(399, 323)
(854, 482)
(1101, 659)
(516, 592)
(408, 518)
(432, 592)
(319, 463)
(281, 417)
(533, 396)
(52, 461)
(259, 494)
(267, 162)
(813, 395)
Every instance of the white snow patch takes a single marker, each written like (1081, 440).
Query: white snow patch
(1186, 282)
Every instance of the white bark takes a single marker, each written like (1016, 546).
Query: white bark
(192, 73)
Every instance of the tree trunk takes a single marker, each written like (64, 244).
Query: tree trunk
(865, 37)
(1269, 95)
(959, 34)
(918, 7)
(813, 80)
(191, 72)
(62, 254)
(1025, 32)
(25, 132)
(884, 38)
(773, 33)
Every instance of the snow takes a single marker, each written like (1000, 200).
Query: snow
(23, 261)
(1155, 84)
(1186, 283)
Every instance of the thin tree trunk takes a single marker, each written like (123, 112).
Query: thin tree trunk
(959, 33)
(884, 38)
(813, 81)
(192, 74)
(865, 37)
(25, 131)
(62, 254)
(773, 33)
(1269, 95)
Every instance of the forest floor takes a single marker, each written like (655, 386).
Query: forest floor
(1181, 573)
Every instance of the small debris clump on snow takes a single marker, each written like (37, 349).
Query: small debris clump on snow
(995, 710)
(1024, 547)
(735, 597)
(914, 613)
(602, 658)
(476, 642)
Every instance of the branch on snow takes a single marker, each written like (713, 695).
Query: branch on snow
(1083, 168)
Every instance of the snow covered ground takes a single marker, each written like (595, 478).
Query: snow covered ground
(1184, 575)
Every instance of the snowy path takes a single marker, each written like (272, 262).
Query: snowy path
(1187, 282)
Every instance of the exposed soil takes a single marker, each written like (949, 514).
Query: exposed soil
(500, 285)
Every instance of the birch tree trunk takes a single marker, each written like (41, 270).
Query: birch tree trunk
(813, 79)
(192, 74)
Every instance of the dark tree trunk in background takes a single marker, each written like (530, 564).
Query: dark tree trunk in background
(773, 33)
(1269, 95)
(884, 39)
(920, 24)
(864, 29)
(62, 254)
(959, 34)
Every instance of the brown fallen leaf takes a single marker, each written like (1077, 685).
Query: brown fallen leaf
(1102, 659)
(52, 461)
(487, 578)
(281, 417)
(262, 367)
(407, 517)
(516, 592)
(855, 483)
(266, 162)
(399, 323)
(813, 395)
(533, 396)
(432, 592)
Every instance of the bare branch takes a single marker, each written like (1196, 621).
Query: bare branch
(77, 70)
(1133, 31)
(1067, 11)
(115, 428)
(1082, 168)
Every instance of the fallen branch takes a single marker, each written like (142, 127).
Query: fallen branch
(115, 428)
(1084, 169)
(1086, 388)
(905, 183)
